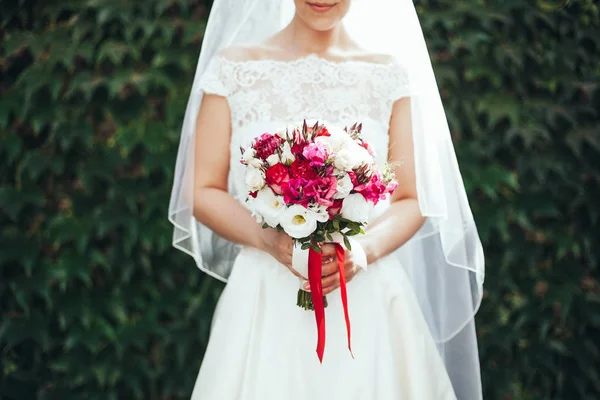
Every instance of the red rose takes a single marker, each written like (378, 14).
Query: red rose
(276, 177)
(302, 169)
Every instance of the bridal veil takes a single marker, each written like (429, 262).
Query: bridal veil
(444, 260)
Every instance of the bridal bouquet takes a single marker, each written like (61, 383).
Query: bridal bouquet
(317, 183)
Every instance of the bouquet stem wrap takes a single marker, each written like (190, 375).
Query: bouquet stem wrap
(313, 268)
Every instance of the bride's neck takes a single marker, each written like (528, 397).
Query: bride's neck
(304, 39)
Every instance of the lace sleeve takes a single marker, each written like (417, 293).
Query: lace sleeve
(400, 85)
(216, 79)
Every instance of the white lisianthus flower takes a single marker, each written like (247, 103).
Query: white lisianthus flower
(286, 155)
(319, 212)
(344, 187)
(254, 179)
(298, 222)
(248, 155)
(273, 159)
(270, 206)
(356, 208)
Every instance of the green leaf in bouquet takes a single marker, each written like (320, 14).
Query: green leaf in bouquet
(347, 243)
(319, 237)
(336, 225)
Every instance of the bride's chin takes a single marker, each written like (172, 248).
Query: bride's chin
(322, 24)
(320, 18)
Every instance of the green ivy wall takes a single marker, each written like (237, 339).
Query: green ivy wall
(96, 304)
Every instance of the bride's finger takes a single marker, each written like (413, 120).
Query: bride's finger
(296, 273)
(330, 280)
(329, 290)
(328, 250)
(329, 268)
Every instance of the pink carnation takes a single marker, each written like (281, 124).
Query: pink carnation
(293, 192)
(391, 186)
(375, 190)
(321, 190)
(266, 145)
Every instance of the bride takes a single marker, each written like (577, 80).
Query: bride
(268, 63)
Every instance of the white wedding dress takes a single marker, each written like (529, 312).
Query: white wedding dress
(262, 346)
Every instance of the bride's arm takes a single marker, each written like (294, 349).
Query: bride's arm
(403, 218)
(213, 205)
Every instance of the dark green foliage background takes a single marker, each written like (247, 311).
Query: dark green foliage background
(96, 304)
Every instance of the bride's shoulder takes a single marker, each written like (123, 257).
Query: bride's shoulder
(374, 58)
(242, 53)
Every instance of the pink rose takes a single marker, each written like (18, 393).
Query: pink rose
(316, 153)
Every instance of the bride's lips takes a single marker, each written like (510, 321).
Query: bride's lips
(321, 7)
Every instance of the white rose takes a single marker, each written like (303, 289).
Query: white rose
(333, 143)
(256, 162)
(344, 186)
(248, 155)
(298, 222)
(269, 205)
(282, 133)
(346, 160)
(254, 179)
(356, 208)
(363, 156)
(336, 140)
(286, 155)
(273, 159)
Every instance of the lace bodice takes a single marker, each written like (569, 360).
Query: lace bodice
(265, 95)
(309, 87)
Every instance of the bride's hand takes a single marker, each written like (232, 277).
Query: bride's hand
(281, 246)
(330, 272)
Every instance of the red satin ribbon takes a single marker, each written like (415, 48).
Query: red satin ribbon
(315, 268)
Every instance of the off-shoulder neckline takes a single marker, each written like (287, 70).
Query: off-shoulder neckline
(309, 58)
